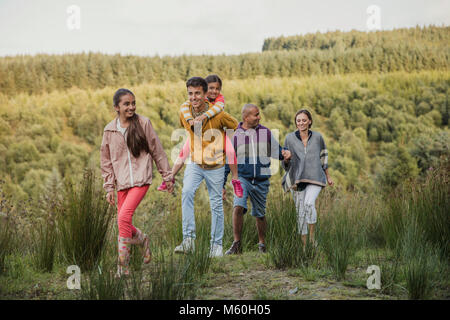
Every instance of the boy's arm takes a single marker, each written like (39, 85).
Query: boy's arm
(230, 143)
(215, 109)
(218, 107)
(184, 123)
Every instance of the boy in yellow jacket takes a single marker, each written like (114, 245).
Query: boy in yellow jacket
(207, 162)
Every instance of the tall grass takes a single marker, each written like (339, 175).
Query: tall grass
(429, 202)
(101, 284)
(337, 235)
(44, 246)
(7, 227)
(199, 261)
(420, 262)
(83, 223)
(417, 223)
(167, 278)
(6, 241)
(393, 221)
(285, 246)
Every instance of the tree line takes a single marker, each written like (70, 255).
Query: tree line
(429, 36)
(404, 50)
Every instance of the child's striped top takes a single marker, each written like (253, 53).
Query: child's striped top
(219, 106)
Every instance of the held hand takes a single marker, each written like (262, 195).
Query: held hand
(110, 198)
(224, 194)
(200, 118)
(191, 122)
(286, 154)
(170, 186)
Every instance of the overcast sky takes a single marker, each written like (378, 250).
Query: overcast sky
(174, 27)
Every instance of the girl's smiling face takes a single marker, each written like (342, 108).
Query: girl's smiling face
(213, 90)
(127, 106)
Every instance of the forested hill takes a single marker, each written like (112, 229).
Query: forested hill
(419, 37)
(352, 52)
(383, 110)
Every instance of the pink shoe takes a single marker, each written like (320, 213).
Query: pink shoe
(163, 186)
(237, 188)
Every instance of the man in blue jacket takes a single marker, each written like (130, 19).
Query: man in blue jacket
(254, 146)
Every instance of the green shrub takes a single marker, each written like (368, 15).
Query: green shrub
(101, 284)
(284, 243)
(83, 222)
(338, 237)
(420, 262)
(168, 277)
(44, 246)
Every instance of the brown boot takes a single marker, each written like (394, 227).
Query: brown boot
(143, 240)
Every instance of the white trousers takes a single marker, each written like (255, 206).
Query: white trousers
(305, 203)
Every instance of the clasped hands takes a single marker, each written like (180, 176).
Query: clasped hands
(199, 119)
(286, 154)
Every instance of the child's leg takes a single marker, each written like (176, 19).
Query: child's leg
(128, 200)
(121, 196)
(129, 204)
(231, 157)
(232, 163)
(184, 153)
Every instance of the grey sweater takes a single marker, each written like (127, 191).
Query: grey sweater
(308, 164)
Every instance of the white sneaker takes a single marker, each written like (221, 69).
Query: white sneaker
(216, 251)
(186, 246)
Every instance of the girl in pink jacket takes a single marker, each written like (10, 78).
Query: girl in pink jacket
(129, 147)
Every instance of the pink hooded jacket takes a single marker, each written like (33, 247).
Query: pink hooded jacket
(120, 169)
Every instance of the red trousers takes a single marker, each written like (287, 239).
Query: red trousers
(127, 202)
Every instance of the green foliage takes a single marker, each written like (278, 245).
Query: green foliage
(44, 250)
(284, 243)
(421, 262)
(398, 166)
(7, 228)
(431, 150)
(102, 284)
(83, 223)
(313, 54)
(338, 236)
(357, 115)
(169, 278)
(344, 41)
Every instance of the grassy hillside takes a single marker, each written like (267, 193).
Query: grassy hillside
(378, 128)
(381, 104)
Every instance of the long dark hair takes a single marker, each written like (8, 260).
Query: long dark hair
(136, 139)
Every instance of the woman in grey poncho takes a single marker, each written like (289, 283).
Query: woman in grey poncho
(306, 171)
